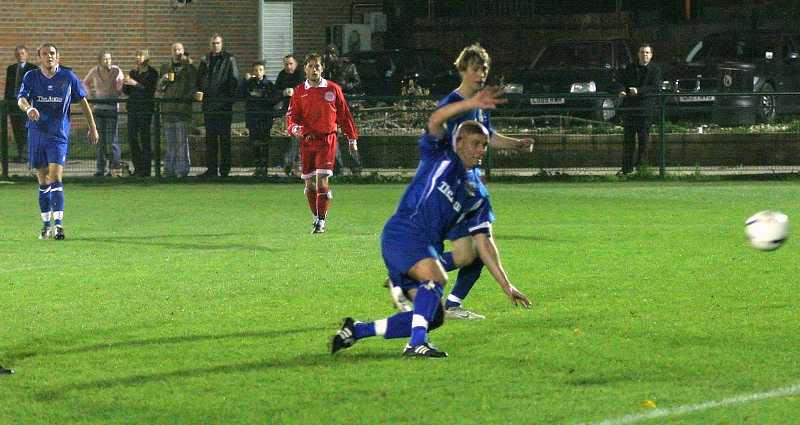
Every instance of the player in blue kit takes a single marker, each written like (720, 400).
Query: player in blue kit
(473, 64)
(442, 195)
(45, 96)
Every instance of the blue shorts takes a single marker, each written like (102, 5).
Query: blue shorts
(461, 230)
(402, 247)
(45, 149)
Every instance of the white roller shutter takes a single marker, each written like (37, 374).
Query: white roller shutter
(277, 38)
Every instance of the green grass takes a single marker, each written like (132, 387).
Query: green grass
(211, 304)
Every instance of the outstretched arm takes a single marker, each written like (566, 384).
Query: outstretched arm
(487, 98)
(487, 250)
(499, 141)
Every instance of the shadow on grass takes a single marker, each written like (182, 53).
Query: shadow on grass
(323, 358)
(164, 241)
(165, 340)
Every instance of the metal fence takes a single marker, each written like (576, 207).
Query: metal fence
(568, 140)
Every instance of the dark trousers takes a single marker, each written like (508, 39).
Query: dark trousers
(218, 141)
(18, 121)
(259, 142)
(352, 162)
(139, 131)
(636, 128)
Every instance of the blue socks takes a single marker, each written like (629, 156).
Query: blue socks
(57, 201)
(45, 203)
(409, 323)
(51, 203)
(428, 297)
(397, 326)
(467, 277)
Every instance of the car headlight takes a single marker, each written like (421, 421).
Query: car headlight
(513, 88)
(589, 87)
(667, 85)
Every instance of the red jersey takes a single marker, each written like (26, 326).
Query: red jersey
(319, 109)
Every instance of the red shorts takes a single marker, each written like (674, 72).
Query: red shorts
(318, 155)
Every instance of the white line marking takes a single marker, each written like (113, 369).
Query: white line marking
(682, 410)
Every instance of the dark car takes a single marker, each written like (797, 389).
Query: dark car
(742, 61)
(383, 72)
(572, 75)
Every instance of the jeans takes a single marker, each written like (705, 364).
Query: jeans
(292, 157)
(176, 139)
(108, 129)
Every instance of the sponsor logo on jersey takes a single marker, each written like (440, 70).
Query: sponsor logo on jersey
(448, 193)
(49, 99)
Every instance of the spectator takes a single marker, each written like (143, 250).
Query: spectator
(260, 98)
(14, 74)
(45, 96)
(316, 107)
(637, 83)
(290, 77)
(140, 87)
(177, 87)
(104, 82)
(340, 71)
(217, 79)
(344, 74)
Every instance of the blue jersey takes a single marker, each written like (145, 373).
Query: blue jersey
(51, 97)
(477, 114)
(443, 194)
(482, 116)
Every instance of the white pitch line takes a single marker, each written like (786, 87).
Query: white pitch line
(689, 408)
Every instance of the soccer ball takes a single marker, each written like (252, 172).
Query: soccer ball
(767, 230)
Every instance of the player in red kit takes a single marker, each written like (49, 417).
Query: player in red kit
(316, 107)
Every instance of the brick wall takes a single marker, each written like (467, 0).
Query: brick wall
(81, 28)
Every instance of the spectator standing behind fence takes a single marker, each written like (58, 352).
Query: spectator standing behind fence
(344, 74)
(637, 83)
(45, 96)
(140, 87)
(314, 110)
(217, 79)
(104, 82)
(177, 87)
(14, 74)
(260, 98)
(290, 77)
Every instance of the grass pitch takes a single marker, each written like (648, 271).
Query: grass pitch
(212, 304)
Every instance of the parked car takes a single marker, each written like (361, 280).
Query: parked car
(383, 72)
(741, 61)
(572, 75)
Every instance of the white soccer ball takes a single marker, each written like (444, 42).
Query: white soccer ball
(767, 230)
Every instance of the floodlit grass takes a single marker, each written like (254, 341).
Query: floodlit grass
(212, 304)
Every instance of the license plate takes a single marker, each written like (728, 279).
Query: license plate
(696, 98)
(547, 101)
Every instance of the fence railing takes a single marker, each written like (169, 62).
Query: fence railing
(570, 137)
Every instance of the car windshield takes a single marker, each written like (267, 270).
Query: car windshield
(750, 48)
(578, 54)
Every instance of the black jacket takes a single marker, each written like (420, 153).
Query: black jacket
(218, 78)
(143, 91)
(11, 74)
(260, 99)
(647, 80)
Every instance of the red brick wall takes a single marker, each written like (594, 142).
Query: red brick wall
(81, 28)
